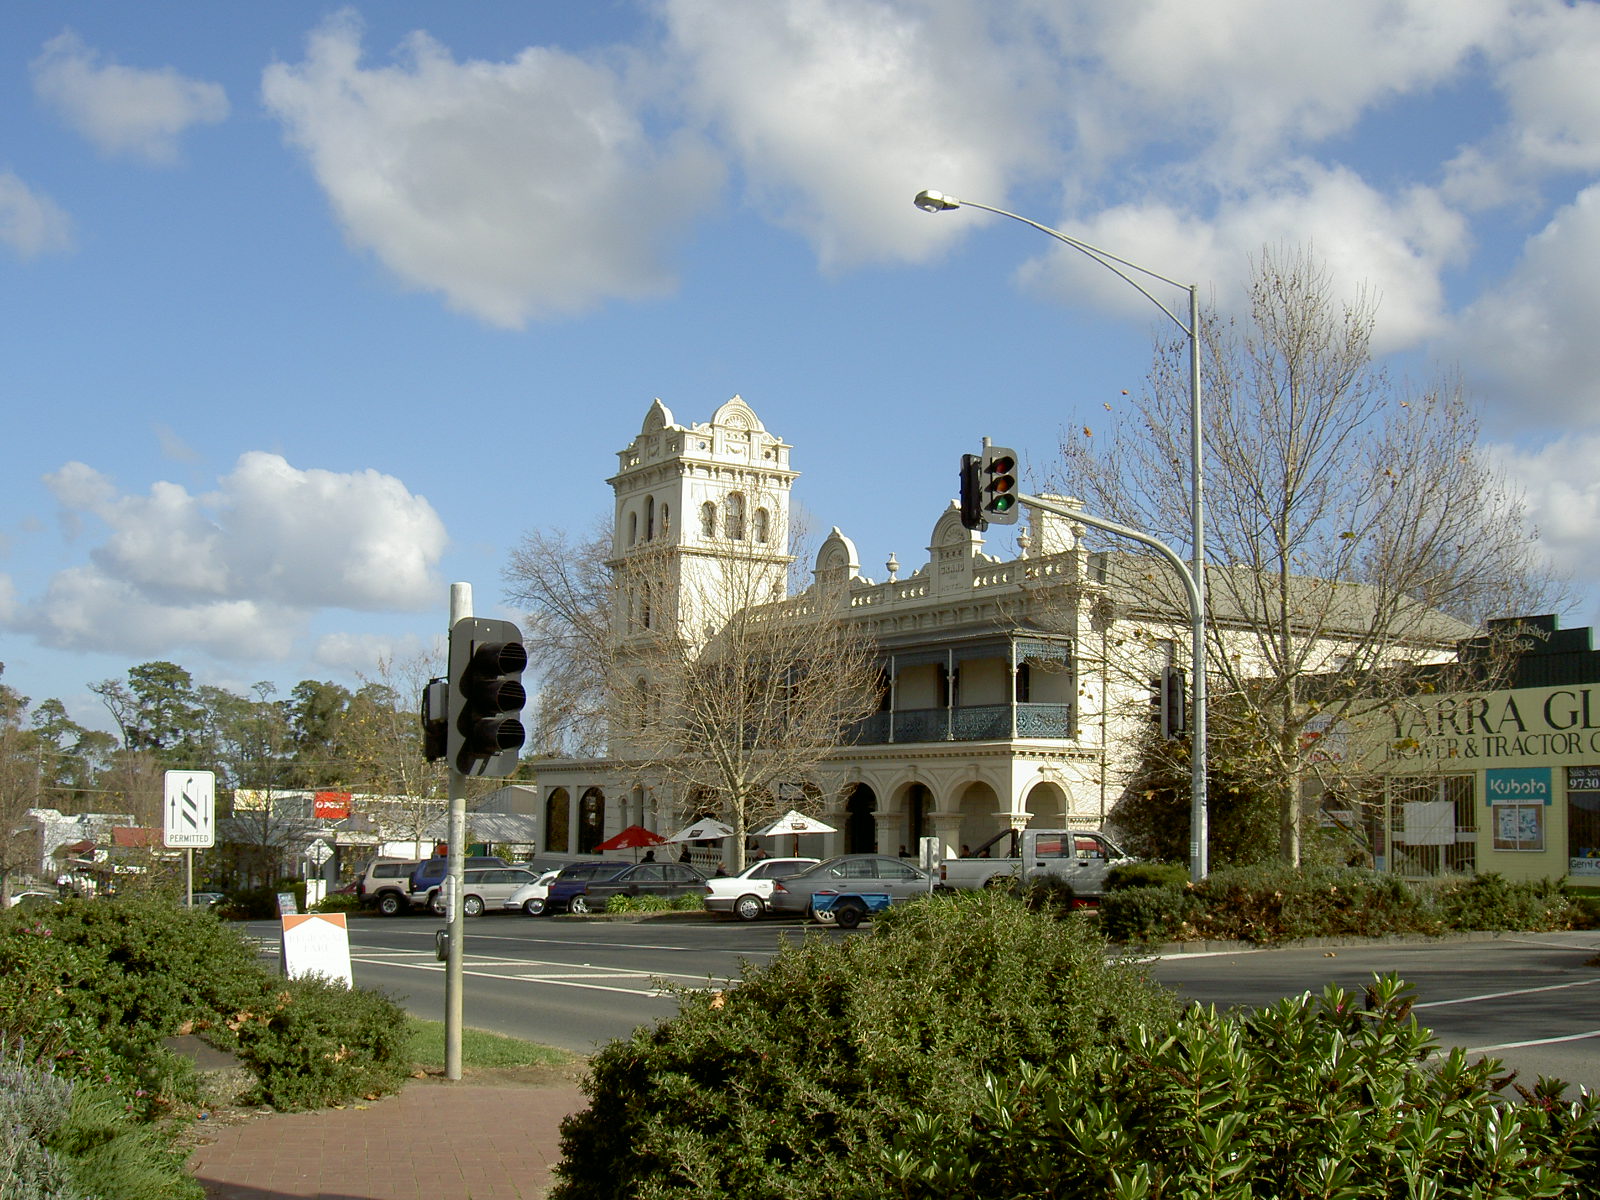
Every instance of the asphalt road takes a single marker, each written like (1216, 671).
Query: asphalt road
(1530, 999)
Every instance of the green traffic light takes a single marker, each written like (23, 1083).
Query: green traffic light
(1002, 503)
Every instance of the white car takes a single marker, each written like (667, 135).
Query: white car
(745, 894)
(531, 897)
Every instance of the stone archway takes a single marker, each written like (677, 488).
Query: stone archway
(557, 821)
(1046, 805)
(980, 817)
(860, 826)
(591, 820)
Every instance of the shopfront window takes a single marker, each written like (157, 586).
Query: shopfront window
(1583, 823)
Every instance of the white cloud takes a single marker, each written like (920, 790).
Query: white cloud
(1547, 72)
(238, 571)
(520, 189)
(30, 222)
(1256, 76)
(1562, 491)
(1532, 338)
(1390, 248)
(839, 111)
(123, 110)
(358, 653)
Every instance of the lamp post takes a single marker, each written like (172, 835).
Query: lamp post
(1195, 585)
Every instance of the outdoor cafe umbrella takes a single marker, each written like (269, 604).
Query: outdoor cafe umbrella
(702, 830)
(634, 837)
(794, 822)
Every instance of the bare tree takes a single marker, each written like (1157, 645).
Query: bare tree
(736, 721)
(1353, 526)
(694, 672)
(565, 586)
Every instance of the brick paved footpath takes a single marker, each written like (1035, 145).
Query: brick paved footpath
(432, 1141)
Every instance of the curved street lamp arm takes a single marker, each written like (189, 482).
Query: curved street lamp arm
(1104, 257)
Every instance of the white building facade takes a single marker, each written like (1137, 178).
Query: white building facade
(1015, 689)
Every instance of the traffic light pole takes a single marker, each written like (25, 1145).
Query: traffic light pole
(460, 609)
(1199, 823)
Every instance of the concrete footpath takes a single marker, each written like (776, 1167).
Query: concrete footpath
(434, 1140)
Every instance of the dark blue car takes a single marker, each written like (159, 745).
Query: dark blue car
(572, 881)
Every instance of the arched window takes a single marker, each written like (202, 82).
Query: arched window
(761, 530)
(708, 520)
(644, 606)
(666, 519)
(733, 516)
(649, 518)
(633, 528)
(556, 821)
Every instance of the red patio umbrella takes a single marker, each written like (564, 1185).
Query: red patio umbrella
(634, 837)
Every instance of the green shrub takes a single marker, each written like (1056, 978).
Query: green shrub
(1318, 1096)
(33, 1104)
(312, 1042)
(1142, 874)
(691, 902)
(261, 903)
(104, 981)
(1147, 914)
(340, 902)
(794, 1083)
(111, 1155)
(1493, 902)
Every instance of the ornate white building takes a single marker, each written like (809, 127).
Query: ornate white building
(1016, 687)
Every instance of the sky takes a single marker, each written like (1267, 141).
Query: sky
(310, 310)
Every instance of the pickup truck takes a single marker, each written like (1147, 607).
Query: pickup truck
(1080, 857)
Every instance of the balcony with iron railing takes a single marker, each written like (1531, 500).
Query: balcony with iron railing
(965, 723)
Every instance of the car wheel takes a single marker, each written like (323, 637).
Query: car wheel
(389, 904)
(849, 915)
(748, 908)
(534, 907)
(472, 906)
(579, 905)
(824, 916)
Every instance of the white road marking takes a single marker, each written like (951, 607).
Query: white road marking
(1571, 1037)
(1554, 987)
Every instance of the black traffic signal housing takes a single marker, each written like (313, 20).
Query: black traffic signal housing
(997, 485)
(435, 719)
(1173, 698)
(484, 731)
(971, 494)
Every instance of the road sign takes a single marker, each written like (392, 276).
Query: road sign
(190, 811)
(319, 852)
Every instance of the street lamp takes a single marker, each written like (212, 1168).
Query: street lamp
(1195, 584)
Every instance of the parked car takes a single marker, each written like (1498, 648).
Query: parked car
(585, 887)
(204, 900)
(745, 895)
(531, 897)
(573, 878)
(430, 872)
(485, 887)
(848, 874)
(666, 879)
(385, 884)
(34, 899)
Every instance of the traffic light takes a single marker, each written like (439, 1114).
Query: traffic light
(971, 494)
(997, 480)
(435, 720)
(1174, 700)
(487, 659)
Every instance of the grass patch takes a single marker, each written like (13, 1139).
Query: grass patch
(478, 1048)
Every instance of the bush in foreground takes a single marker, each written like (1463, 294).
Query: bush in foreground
(796, 1083)
(1318, 1096)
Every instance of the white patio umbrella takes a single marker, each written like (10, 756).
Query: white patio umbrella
(793, 822)
(701, 831)
(796, 822)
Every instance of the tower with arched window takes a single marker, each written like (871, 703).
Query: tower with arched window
(695, 503)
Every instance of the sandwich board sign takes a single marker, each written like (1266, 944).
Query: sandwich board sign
(189, 815)
(316, 944)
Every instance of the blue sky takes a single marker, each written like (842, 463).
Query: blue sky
(311, 310)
